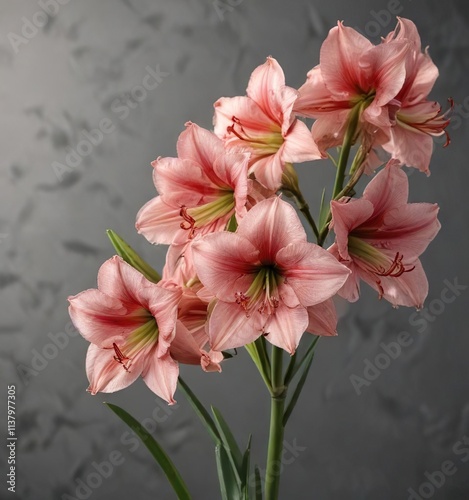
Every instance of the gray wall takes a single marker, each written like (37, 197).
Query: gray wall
(65, 78)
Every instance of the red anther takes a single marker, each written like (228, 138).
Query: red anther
(120, 357)
(396, 269)
(188, 223)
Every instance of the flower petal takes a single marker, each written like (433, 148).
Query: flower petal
(314, 274)
(410, 289)
(230, 327)
(103, 320)
(224, 263)
(348, 214)
(299, 145)
(322, 318)
(200, 146)
(271, 225)
(105, 374)
(160, 223)
(161, 376)
(286, 327)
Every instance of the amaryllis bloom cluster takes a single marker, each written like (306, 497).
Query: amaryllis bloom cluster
(239, 267)
(383, 88)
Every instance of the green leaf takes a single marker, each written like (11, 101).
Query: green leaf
(229, 484)
(245, 469)
(258, 353)
(304, 358)
(258, 483)
(156, 450)
(202, 413)
(299, 387)
(229, 443)
(130, 256)
(290, 370)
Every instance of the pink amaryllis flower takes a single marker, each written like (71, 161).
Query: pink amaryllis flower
(416, 119)
(353, 76)
(263, 123)
(265, 277)
(131, 324)
(381, 236)
(386, 84)
(198, 192)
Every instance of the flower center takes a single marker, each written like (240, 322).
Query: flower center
(262, 293)
(140, 338)
(202, 215)
(377, 262)
(269, 143)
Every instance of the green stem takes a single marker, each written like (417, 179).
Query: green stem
(274, 452)
(342, 165)
(304, 209)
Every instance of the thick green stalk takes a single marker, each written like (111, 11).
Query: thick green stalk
(274, 452)
(342, 165)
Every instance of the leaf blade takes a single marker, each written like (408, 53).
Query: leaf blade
(166, 464)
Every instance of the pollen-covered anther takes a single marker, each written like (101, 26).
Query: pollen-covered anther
(188, 223)
(396, 269)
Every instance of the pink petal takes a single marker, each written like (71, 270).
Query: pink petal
(346, 216)
(224, 263)
(329, 129)
(183, 182)
(315, 98)
(271, 225)
(248, 112)
(385, 65)
(387, 190)
(286, 327)
(410, 289)
(322, 318)
(230, 327)
(299, 145)
(411, 147)
(408, 229)
(339, 58)
(199, 146)
(312, 272)
(268, 170)
(267, 88)
(163, 300)
(161, 376)
(102, 319)
(105, 374)
(160, 223)
(120, 280)
(184, 348)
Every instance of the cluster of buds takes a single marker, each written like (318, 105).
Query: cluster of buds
(239, 265)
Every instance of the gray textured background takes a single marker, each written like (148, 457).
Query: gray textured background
(66, 79)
